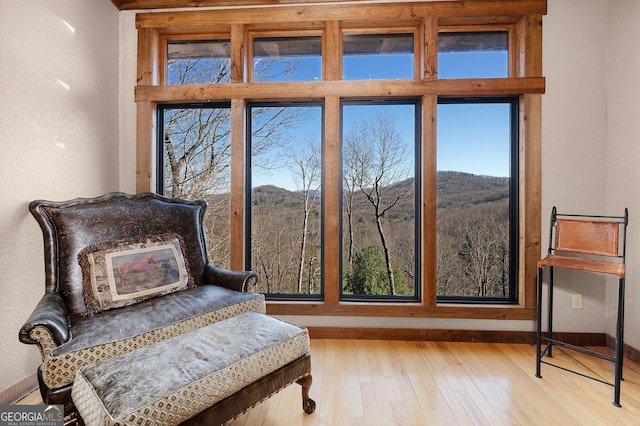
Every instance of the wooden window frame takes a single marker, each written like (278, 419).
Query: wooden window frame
(522, 17)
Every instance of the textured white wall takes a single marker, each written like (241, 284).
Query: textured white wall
(59, 140)
(623, 148)
(128, 78)
(574, 123)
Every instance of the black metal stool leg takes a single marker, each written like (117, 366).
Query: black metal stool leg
(619, 344)
(550, 314)
(539, 325)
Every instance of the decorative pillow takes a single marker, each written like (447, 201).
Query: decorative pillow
(123, 273)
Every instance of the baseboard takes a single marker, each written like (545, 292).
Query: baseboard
(19, 390)
(631, 353)
(581, 339)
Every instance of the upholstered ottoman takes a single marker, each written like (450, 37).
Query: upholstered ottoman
(174, 380)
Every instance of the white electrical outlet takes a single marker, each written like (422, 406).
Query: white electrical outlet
(577, 301)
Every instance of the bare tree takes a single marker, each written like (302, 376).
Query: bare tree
(271, 251)
(350, 180)
(480, 239)
(197, 160)
(197, 142)
(305, 166)
(379, 158)
(197, 151)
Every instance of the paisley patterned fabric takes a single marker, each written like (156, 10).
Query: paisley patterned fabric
(110, 333)
(171, 381)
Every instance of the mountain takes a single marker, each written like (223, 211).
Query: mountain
(454, 190)
(270, 194)
(457, 189)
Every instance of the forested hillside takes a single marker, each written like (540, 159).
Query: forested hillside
(473, 239)
(456, 189)
(473, 235)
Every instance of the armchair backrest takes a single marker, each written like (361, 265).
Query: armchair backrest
(70, 226)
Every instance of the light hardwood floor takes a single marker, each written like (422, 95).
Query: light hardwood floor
(370, 382)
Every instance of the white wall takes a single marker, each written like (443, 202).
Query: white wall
(591, 143)
(574, 124)
(59, 138)
(623, 147)
(128, 78)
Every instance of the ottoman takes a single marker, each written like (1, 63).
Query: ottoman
(172, 381)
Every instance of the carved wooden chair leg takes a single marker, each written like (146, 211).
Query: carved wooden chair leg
(308, 404)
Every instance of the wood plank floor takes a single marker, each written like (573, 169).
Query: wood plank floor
(368, 382)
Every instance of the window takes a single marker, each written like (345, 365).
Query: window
(477, 200)
(378, 57)
(198, 61)
(287, 58)
(321, 84)
(194, 162)
(473, 54)
(286, 199)
(379, 201)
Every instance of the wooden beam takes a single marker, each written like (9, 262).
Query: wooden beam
(531, 134)
(238, 65)
(145, 116)
(332, 197)
(530, 218)
(316, 90)
(429, 40)
(238, 185)
(429, 182)
(170, 4)
(332, 52)
(343, 11)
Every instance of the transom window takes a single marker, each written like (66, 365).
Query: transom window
(287, 59)
(198, 62)
(357, 163)
(378, 56)
(473, 54)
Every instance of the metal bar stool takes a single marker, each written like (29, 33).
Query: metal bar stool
(589, 243)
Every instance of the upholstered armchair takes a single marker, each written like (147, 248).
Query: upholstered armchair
(81, 318)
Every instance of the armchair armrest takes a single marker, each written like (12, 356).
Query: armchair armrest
(51, 314)
(242, 281)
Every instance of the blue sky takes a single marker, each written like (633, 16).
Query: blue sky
(472, 138)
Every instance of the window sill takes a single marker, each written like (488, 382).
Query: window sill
(407, 310)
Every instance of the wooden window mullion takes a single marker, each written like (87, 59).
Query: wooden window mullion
(332, 197)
